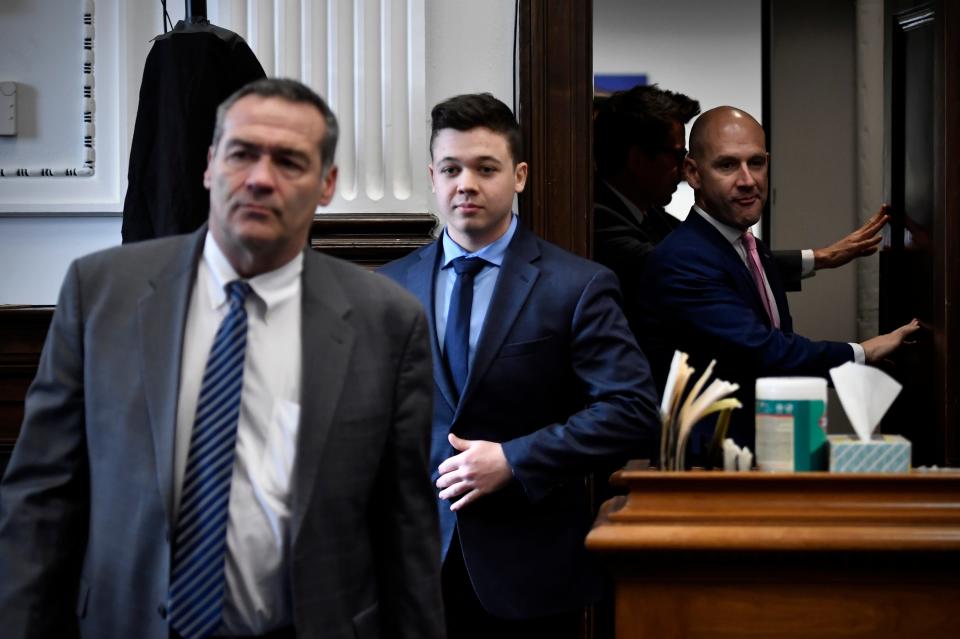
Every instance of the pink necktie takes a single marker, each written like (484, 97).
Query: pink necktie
(756, 269)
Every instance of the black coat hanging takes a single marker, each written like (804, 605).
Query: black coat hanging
(188, 73)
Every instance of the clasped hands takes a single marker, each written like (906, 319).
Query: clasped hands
(480, 469)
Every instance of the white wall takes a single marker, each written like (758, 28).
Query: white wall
(813, 171)
(708, 50)
(468, 49)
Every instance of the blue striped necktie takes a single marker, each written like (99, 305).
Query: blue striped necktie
(197, 574)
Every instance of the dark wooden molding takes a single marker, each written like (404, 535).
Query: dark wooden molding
(371, 239)
(23, 330)
(556, 94)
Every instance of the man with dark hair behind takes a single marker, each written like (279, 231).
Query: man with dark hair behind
(639, 151)
(638, 146)
(538, 382)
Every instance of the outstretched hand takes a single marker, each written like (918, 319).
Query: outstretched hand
(864, 241)
(877, 348)
(480, 469)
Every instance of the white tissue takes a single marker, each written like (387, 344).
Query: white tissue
(736, 458)
(866, 394)
(730, 452)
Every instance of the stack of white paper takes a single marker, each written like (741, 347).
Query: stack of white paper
(681, 410)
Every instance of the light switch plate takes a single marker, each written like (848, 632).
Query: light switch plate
(8, 108)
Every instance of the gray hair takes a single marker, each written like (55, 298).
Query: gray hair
(292, 91)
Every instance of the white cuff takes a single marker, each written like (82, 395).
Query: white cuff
(808, 266)
(859, 356)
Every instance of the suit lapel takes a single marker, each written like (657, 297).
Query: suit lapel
(514, 283)
(421, 281)
(161, 318)
(734, 265)
(327, 342)
(603, 196)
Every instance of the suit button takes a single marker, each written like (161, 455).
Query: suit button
(162, 611)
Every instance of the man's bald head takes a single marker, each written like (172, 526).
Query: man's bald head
(727, 166)
(705, 127)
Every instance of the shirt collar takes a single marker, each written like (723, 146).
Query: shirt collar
(493, 252)
(732, 233)
(271, 287)
(634, 210)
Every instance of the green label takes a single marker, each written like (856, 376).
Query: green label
(809, 429)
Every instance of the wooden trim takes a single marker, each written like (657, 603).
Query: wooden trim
(371, 239)
(784, 512)
(23, 330)
(556, 116)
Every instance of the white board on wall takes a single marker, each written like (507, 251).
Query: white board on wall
(42, 50)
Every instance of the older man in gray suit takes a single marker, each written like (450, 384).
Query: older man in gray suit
(228, 434)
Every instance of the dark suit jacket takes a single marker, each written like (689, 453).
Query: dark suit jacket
(558, 379)
(622, 243)
(699, 297)
(85, 505)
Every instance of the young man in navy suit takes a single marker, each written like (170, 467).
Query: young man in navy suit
(711, 289)
(538, 382)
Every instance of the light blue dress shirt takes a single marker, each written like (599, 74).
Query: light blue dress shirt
(483, 284)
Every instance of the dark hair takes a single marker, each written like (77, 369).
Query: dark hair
(641, 116)
(292, 91)
(474, 110)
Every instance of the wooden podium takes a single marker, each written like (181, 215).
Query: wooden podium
(735, 555)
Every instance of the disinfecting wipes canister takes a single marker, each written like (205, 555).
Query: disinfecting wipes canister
(791, 423)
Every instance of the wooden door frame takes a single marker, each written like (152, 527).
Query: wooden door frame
(555, 61)
(945, 328)
(950, 346)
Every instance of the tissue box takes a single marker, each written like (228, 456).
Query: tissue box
(882, 454)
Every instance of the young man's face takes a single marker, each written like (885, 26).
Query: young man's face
(474, 179)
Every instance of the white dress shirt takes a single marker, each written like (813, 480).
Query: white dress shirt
(257, 596)
(733, 235)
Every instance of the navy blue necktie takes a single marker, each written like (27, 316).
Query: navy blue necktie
(456, 340)
(197, 572)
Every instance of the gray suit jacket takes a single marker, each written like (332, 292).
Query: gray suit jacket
(85, 506)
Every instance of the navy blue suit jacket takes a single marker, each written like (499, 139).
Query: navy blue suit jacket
(699, 297)
(558, 379)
